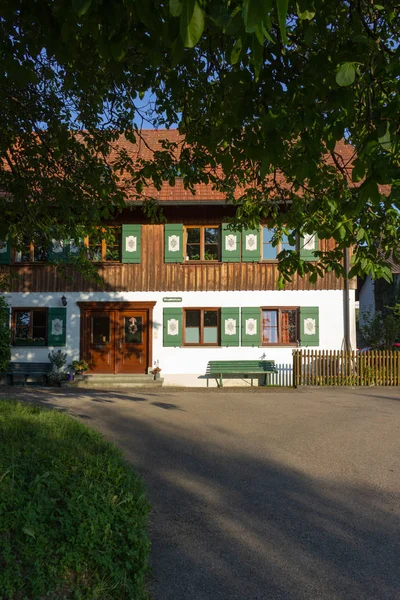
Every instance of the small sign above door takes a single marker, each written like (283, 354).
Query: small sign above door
(171, 299)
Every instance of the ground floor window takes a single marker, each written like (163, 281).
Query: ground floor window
(201, 326)
(279, 326)
(29, 326)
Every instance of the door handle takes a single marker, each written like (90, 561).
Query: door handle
(120, 343)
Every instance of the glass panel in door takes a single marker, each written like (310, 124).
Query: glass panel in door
(102, 342)
(132, 342)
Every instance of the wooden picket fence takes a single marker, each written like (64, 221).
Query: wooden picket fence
(283, 377)
(337, 367)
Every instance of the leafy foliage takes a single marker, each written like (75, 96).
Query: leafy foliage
(5, 335)
(263, 91)
(58, 359)
(382, 329)
(73, 515)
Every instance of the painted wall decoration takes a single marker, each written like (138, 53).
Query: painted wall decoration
(251, 326)
(57, 246)
(231, 243)
(230, 327)
(173, 243)
(309, 241)
(251, 241)
(309, 326)
(130, 243)
(173, 327)
(56, 327)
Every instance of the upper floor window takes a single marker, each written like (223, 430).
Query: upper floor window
(105, 251)
(31, 252)
(201, 326)
(202, 243)
(279, 326)
(270, 252)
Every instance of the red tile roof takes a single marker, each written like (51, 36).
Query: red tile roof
(150, 141)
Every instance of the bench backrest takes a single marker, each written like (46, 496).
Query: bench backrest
(240, 366)
(30, 367)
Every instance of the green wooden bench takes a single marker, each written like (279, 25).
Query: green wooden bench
(23, 371)
(246, 368)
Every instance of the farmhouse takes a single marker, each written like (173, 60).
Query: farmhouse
(176, 295)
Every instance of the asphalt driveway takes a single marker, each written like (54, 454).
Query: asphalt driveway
(261, 494)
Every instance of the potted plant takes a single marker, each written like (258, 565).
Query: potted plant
(58, 359)
(156, 371)
(79, 366)
(55, 378)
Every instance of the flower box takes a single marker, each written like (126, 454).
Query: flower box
(27, 342)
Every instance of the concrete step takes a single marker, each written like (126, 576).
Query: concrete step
(119, 380)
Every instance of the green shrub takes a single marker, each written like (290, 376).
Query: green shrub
(73, 515)
(382, 329)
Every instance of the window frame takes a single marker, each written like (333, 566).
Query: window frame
(280, 309)
(29, 309)
(201, 327)
(277, 248)
(31, 259)
(202, 243)
(103, 245)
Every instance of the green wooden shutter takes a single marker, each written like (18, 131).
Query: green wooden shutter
(251, 321)
(309, 326)
(173, 243)
(230, 244)
(58, 251)
(131, 243)
(172, 334)
(251, 245)
(74, 247)
(5, 252)
(230, 327)
(56, 326)
(308, 245)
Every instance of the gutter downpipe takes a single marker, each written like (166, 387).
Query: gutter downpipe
(346, 301)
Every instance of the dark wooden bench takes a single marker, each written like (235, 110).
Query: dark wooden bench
(245, 368)
(23, 371)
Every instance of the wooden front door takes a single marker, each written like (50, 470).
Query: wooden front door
(116, 338)
(132, 327)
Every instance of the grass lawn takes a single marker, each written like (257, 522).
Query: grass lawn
(73, 515)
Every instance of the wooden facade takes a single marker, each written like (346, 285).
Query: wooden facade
(153, 274)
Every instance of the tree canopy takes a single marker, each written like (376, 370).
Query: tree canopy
(263, 90)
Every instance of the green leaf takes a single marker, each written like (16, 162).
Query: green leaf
(192, 23)
(236, 50)
(303, 13)
(358, 170)
(346, 74)
(282, 6)
(258, 56)
(313, 277)
(264, 168)
(175, 8)
(384, 140)
(360, 234)
(255, 13)
(259, 33)
(29, 532)
(81, 6)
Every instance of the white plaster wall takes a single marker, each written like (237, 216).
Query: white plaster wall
(184, 366)
(367, 299)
